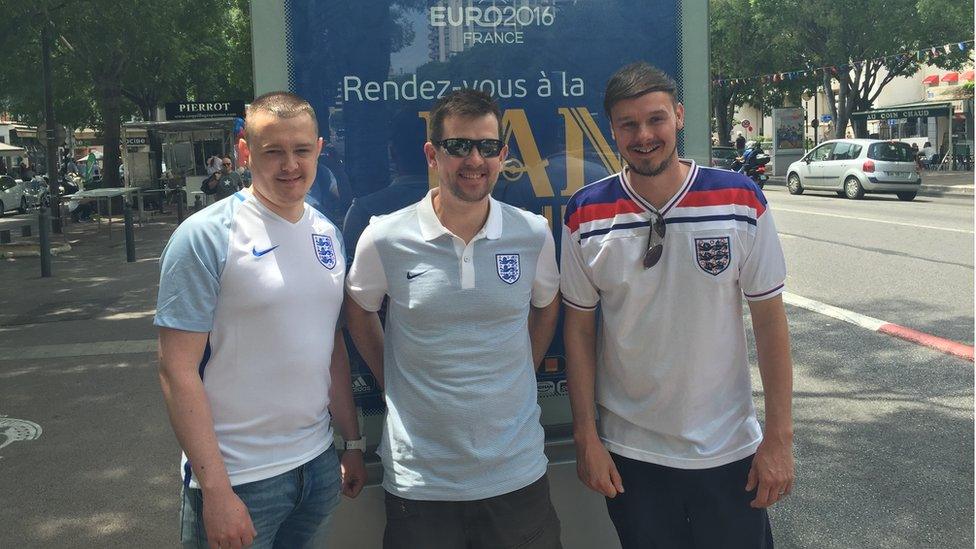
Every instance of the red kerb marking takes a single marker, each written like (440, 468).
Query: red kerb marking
(933, 342)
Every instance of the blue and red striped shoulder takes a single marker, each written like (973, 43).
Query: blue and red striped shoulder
(602, 199)
(714, 187)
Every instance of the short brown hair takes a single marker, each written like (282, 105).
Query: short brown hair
(466, 103)
(281, 104)
(635, 80)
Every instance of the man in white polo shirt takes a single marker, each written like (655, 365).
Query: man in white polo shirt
(472, 286)
(252, 368)
(667, 250)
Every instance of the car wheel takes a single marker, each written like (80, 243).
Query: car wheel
(23, 205)
(793, 184)
(3, 209)
(853, 188)
(907, 196)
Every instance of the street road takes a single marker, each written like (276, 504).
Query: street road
(884, 427)
(910, 263)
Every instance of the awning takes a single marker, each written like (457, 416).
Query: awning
(912, 110)
(968, 75)
(950, 77)
(931, 79)
(11, 150)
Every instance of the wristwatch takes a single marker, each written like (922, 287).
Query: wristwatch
(358, 444)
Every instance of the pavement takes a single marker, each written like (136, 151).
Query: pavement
(88, 459)
(933, 183)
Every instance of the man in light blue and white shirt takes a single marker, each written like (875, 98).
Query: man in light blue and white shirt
(251, 366)
(472, 286)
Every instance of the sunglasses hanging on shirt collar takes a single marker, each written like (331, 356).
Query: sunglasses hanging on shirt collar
(655, 240)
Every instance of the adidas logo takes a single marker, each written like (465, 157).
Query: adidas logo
(360, 385)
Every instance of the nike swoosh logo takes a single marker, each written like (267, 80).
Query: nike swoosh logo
(257, 253)
(411, 276)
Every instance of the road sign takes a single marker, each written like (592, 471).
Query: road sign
(59, 134)
(746, 124)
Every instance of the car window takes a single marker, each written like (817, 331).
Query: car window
(821, 152)
(891, 151)
(842, 151)
(6, 182)
(855, 151)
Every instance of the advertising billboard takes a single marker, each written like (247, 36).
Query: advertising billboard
(372, 71)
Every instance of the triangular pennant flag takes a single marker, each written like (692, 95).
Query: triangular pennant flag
(962, 46)
(947, 50)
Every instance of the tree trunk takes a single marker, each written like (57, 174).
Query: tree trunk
(723, 123)
(110, 108)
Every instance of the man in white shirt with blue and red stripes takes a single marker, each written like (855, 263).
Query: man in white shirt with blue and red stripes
(253, 369)
(660, 388)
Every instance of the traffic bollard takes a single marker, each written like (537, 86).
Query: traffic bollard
(130, 237)
(44, 237)
(180, 207)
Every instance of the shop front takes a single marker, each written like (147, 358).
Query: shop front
(947, 125)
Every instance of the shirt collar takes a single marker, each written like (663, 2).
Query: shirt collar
(431, 227)
(682, 190)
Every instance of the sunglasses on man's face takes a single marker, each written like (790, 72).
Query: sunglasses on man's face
(461, 147)
(655, 240)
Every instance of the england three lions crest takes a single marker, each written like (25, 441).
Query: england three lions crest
(508, 267)
(713, 254)
(324, 250)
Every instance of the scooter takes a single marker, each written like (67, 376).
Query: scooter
(753, 163)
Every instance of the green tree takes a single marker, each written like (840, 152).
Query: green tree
(740, 53)
(864, 58)
(113, 59)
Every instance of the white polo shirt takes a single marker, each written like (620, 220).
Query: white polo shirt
(269, 293)
(673, 385)
(462, 418)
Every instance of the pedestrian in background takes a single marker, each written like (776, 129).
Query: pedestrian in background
(223, 183)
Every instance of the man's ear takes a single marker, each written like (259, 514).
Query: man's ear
(679, 113)
(431, 153)
(243, 152)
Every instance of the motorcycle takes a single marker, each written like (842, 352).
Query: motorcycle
(753, 163)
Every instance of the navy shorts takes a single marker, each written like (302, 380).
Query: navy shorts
(665, 508)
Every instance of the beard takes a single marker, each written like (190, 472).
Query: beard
(648, 169)
(465, 195)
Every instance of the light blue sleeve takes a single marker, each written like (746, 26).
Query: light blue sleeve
(190, 268)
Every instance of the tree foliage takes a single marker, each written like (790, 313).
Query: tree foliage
(113, 59)
(865, 44)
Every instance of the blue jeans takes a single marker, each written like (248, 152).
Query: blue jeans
(287, 510)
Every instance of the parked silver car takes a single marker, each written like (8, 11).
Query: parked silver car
(852, 167)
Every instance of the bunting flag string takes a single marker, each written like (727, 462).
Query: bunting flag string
(920, 56)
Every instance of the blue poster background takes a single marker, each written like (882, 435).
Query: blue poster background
(372, 68)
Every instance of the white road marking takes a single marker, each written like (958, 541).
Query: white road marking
(915, 225)
(834, 312)
(941, 344)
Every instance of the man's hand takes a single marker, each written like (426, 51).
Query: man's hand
(353, 470)
(227, 522)
(772, 470)
(596, 469)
